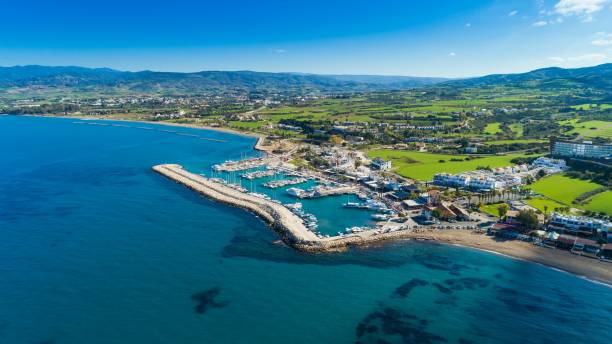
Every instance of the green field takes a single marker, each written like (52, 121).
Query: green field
(493, 128)
(601, 202)
(590, 128)
(423, 166)
(490, 209)
(539, 204)
(562, 189)
(517, 128)
(245, 125)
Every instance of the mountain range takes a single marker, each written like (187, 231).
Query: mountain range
(81, 78)
(595, 77)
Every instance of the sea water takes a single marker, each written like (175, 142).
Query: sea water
(97, 248)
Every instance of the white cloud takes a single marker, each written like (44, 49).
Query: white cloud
(452, 54)
(540, 23)
(588, 58)
(581, 8)
(513, 13)
(585, 59)
(468, 24)
(602, 39)
(280, 51)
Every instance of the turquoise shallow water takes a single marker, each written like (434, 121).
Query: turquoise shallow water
(95, 248)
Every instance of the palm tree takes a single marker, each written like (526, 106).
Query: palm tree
(502, 210)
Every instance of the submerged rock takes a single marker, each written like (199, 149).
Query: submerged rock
(403, 290)
(383, 326)
(207, 300)
(471, 283)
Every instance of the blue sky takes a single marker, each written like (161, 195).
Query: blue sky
(424, 38)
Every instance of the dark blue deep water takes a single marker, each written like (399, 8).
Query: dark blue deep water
(96, 248)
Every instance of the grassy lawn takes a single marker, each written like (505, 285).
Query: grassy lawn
(590, 128)
(493, 128)
(423, 166)
(490, 209)
(600, 203)
(539, 204)
(562, 189)
(246, 125)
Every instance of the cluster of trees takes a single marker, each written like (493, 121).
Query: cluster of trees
(523, 160)
(54, 108)
(316, 160)
(493, 149)
(527, 218)
(540, 129)
(589, 170)
(582, 198)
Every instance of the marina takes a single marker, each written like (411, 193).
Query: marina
(258, 174)
(322, 191)
(284, 182)
(241, 165)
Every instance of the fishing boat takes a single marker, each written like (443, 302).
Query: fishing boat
(381, 217)
(355, 229)
(296, 192)
(294, 206)
(355, 205)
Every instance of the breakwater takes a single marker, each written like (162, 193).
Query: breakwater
(281, 219)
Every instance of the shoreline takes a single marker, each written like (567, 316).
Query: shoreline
(258, 146)
(560, 260)
(294, 234)
(581, 267)
(171, 124)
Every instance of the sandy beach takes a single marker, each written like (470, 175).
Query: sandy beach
(172, 124)
(589, 268)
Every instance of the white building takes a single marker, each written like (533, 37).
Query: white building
(578, 223)
(380, 164)
(556, 164)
